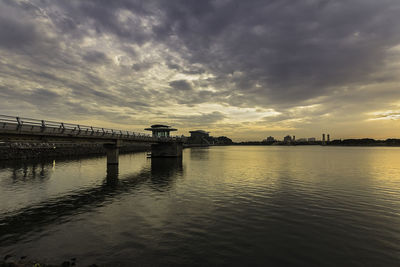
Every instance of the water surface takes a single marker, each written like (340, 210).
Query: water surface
(304, 205)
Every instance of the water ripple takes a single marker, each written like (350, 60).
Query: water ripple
(250, 206)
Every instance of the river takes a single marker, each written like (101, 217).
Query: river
(247, 205)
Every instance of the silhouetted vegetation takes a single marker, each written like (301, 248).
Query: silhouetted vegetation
(365, 142)
(338, 142)
(222, 140)
(206, 140)
(251, 143)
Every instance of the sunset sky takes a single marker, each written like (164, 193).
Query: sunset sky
(244, 69)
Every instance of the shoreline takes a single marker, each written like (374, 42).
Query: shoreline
(32, 151)
(376, 145)
(25, 151)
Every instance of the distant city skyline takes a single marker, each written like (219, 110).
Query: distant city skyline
(242, 69)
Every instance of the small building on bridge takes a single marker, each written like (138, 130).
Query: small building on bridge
(159, 130)
(199, 137)
(199, 134)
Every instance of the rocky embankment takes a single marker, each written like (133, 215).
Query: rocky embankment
(9, 151)
(13, 261)
(23, 262)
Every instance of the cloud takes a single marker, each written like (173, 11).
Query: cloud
(14, 35)
(310, 61)
(204, 119)
(388, 115)
(95, 57)
(287, 51)
(181, 85)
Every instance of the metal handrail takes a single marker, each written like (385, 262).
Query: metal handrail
(72, 128)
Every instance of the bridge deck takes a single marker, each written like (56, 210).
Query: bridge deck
(16, 128)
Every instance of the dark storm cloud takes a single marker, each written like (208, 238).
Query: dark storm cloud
(103, 55)
(44, 95)
(285, 51)
(142, 66)
(14, 35)
(8, 92)
(95, 57)
(20, 32)
(191, 69)
(181, 85)
(76, 18)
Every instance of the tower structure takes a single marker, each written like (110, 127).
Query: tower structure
(159, 130)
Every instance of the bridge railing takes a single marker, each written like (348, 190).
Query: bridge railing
(21, 124)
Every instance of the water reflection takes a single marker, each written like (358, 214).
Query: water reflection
(112, 175)
(237, 205)
(35, 218)
(199, 153)
(164, 170)
(28, 170)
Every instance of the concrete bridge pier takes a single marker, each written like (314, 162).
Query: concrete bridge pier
(112, 153)
(167, 150)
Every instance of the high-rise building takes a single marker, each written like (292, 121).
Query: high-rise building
(323, 137)
(270, 139)
(294, 138)
(287, 139)
(329, 138)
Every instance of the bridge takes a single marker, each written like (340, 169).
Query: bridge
(18, 129)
